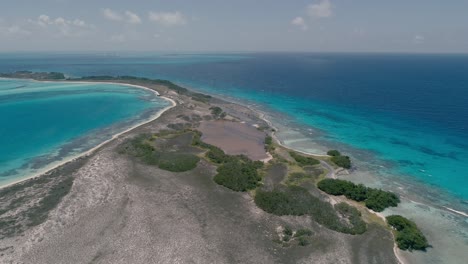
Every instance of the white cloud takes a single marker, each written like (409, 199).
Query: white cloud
(42, 20)
(45, 20)
(300, 22)
(66, 27)
(167, 18)
(127, 16)
(419, 39)
(14, 30)
(112, 15)
(132, 18)
(79, 23)
(322, 9)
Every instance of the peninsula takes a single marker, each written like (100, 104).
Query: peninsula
(206, 182)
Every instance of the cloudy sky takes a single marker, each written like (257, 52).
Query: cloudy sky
(234, 25)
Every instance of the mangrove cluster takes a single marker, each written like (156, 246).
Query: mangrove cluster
(339, 160)
(408, 235)
(375, 199)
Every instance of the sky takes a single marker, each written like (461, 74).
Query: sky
(425, 26)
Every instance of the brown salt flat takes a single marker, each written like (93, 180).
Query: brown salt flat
(235, 138)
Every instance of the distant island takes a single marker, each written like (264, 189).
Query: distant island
(207, 181)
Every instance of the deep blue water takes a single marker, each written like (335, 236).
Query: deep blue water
(45, 122)
(409, 111)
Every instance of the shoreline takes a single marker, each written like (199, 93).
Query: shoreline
(260, 114)
(47, 169)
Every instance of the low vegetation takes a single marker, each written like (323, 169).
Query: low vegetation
(141, 147)
(204, 98)
(303, 232)
(342, 161)
(49, 191)
(353, 215)
(263, 128)
(214, 153)
(339, 160)
(408, 236)
(34, 75)
(170, 85)
(269, 146)
(333, 153)
(216, 111)
(178, 162)
(238, 175)
(298, 177)
(303, 160)
(295, 200)
(302, 236)
(236, 172)
(374, 199)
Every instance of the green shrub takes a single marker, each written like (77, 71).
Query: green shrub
(375, 199)
(201, 97)
(269, 147)
(141, 147)
(295, 200)
(217, 112)
(214, 153)
(178, 162)
(297, 177)
(354, 217)
(152, 158)
(335, 187)
(399, 222)
(303, 232)
(303, 241)
(378, 200)
(137, 146)
(238, 175)
(217, 155)
(357, 193)
(302, 160)
(333, 153)
(408, 235)
(342, 161)
(196, 140)
(288, 231)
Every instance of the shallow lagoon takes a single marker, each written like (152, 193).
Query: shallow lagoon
(45, 122)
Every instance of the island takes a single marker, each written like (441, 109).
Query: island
(208, 181)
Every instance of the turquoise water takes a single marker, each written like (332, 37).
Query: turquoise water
(409, 112)
(45, 122)
(395, 146)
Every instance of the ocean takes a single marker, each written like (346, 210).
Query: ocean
(403, 118)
